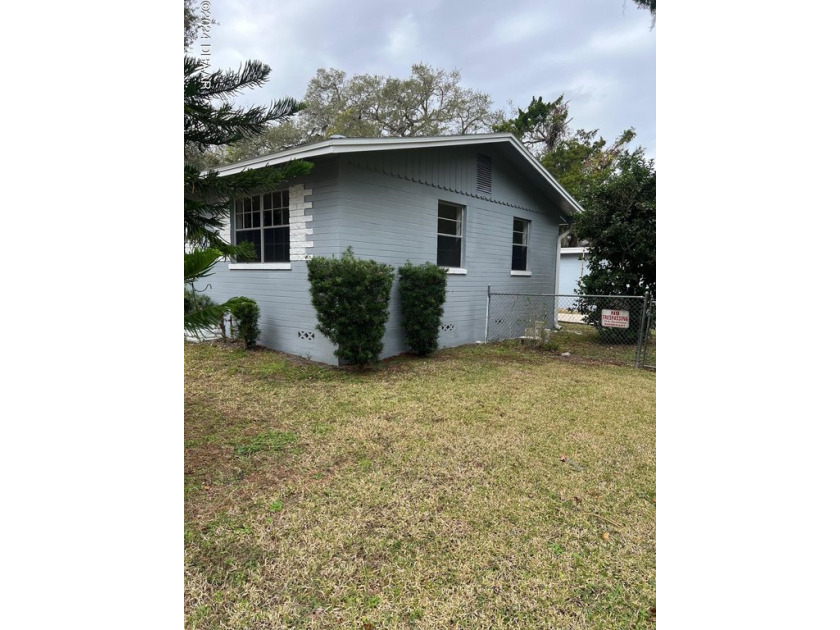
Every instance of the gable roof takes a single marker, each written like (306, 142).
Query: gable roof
(506, 143)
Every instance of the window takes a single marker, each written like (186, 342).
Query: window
(519, 260)
(450, 234)
(264, 221)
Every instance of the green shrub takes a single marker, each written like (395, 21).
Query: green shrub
(195, 301)
(350, 297)
(422, 294)
(247, 314)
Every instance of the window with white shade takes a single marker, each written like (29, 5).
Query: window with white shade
(450, 235)
(519, 259)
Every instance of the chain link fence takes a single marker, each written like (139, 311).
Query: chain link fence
(648, 358)
(611, 328)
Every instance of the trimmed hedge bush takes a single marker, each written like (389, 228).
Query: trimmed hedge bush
(350, 297)
(246, 312)
(422, 294)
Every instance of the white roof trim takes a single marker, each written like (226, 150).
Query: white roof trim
(573, 250)
(338, 146)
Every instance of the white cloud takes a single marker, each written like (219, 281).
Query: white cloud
(598, 53)
(404, 40)
(628, 38)
(521, 27)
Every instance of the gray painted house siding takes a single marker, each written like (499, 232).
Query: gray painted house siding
(390, 214)
(385, 205)
(287, 319)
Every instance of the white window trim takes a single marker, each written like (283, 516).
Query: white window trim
(277, 265)
(262, 228)
(527, 244)
(462, 210)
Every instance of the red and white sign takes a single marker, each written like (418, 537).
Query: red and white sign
(615, 319)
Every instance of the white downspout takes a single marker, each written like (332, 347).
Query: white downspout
(560, 238)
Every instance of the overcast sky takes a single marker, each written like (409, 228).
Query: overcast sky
(600, 53)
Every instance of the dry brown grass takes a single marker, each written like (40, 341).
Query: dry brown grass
(482, 487)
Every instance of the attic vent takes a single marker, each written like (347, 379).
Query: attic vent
(484, 172)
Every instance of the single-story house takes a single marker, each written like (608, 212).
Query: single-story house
(480, 205)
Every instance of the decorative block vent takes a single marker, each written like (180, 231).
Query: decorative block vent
(447, 327)
(484, 174)
(306, 335)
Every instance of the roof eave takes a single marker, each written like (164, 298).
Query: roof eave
(337, 146)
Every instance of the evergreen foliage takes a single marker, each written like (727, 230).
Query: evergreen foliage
(211, 122)
(351, 297)
(422, 290)
(195, 301)
(617, 189)
(620, 225)
(198, 264)
(246, 312)
(541, 126)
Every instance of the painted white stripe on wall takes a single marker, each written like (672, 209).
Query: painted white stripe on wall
(298, 232)
(224, 231)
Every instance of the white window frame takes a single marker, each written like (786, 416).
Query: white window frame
(260, 264)
(526, 244)
(459, 234)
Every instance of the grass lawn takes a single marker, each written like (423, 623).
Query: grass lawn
(582, 340)
(485, 487)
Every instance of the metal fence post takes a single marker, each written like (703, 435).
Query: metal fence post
(638, 361)
(487, 316)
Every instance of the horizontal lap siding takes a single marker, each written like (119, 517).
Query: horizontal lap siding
(384, 205)
(389, 214)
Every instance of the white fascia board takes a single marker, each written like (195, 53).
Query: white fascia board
(337, 146)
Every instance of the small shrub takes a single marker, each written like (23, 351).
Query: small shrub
(195, 301)
(350, 297)
(247, 314)
(422, 294)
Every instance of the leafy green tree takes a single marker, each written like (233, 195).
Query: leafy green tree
(579, 160)
(190, 24)
(650, 5)
(212, 121)
(429, 102)
(620, 225)
(541, 126)
(583, 160)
